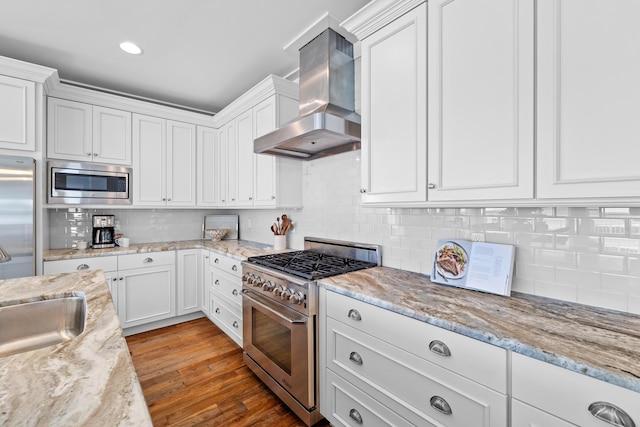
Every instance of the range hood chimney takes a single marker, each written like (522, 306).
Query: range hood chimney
(328, 123)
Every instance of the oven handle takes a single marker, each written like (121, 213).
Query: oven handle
(246, 292)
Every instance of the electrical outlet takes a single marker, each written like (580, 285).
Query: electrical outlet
(477, 237)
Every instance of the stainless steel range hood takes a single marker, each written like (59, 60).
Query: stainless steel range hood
(328, 123)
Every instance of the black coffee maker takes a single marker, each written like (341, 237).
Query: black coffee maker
(103, 231)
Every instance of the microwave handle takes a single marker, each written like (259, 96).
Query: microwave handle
(245, 293)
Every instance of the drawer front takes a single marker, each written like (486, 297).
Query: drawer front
(226, 317)
(150, 259)
(481, 362)
(106, 263)
(226, 264)
(230, 289)
(351, 407)
(567, 394)
(431, 392)
(523, 415)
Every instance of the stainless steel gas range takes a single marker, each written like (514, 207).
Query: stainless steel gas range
(280, 308)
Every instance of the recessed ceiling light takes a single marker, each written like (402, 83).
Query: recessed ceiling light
(131, 48)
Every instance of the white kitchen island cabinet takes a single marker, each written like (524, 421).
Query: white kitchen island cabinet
(164, 162)
(394, 103)
(88, 133)
(17, 114)
(588, 99)
(377, 366)
(146, 288)
(481, 100)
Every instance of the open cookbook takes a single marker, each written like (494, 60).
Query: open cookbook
(481, 266)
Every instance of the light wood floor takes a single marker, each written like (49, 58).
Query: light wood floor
(192, 374)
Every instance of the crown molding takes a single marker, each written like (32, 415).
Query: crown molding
(376, 15)
(27, 71)
(271, 85)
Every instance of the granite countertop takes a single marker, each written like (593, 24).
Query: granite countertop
(601, 343)
(89, 380)
(238, 249)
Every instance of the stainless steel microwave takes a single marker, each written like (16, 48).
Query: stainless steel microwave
(88, 183)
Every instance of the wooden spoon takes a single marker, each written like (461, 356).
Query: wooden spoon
(274, 228)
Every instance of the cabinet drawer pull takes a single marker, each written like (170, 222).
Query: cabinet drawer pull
(217, 282)
(440, 405)
(354, 315)
(216, 261)
(440, 348)
(235, 324)
(218, 310)
(234, 267)
(355, 358)
(611, 414)
(355, 416)
(82, 267)
(147, 260)
(234, 292)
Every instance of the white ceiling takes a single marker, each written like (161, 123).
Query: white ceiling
(200, 54)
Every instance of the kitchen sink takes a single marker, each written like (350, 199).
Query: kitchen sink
(41, 322)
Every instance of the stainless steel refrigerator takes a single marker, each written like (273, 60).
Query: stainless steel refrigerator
(17, 240)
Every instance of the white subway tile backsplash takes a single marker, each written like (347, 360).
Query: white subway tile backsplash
(570, 253)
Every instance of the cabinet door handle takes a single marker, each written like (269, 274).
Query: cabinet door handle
(95, 154)
(147, 260)
(273, 197)
(611, 414)
(439, 348)
(355, 358)
(234, 267)
(216, 261)
(217, 282)
(82, 267)
(440, 405)
(235, 324)
(355, 416)
(121, 278)
(431, 186)
(234, 292)
(89, 154)
(114, 279)
(354, 315)
(362, 190)
(217, 310)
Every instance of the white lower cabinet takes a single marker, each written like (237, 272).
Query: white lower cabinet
(189, 264)
(205, 269)
(567, 398)
(225, 295)
(146, 288)
(414, 372)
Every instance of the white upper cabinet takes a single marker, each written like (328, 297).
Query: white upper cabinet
(588, 99)
(244, 147)
(394, 109)
(164, 162)
(481, 100)
(86, 133)
(247, 179)
(207, 143)
(17, 114)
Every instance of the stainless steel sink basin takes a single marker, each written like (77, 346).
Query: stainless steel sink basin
(41, 322)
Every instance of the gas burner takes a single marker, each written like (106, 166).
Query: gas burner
(310, 265)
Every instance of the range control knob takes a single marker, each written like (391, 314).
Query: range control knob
(267, 286)
(286, 294)
(247, 277)
(257, 282)
(278, 290)
(296, 298)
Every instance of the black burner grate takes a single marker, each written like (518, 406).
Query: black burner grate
(310, 265)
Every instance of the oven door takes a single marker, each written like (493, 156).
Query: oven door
(281, 341)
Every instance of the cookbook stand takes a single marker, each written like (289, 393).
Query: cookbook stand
(486, 267)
